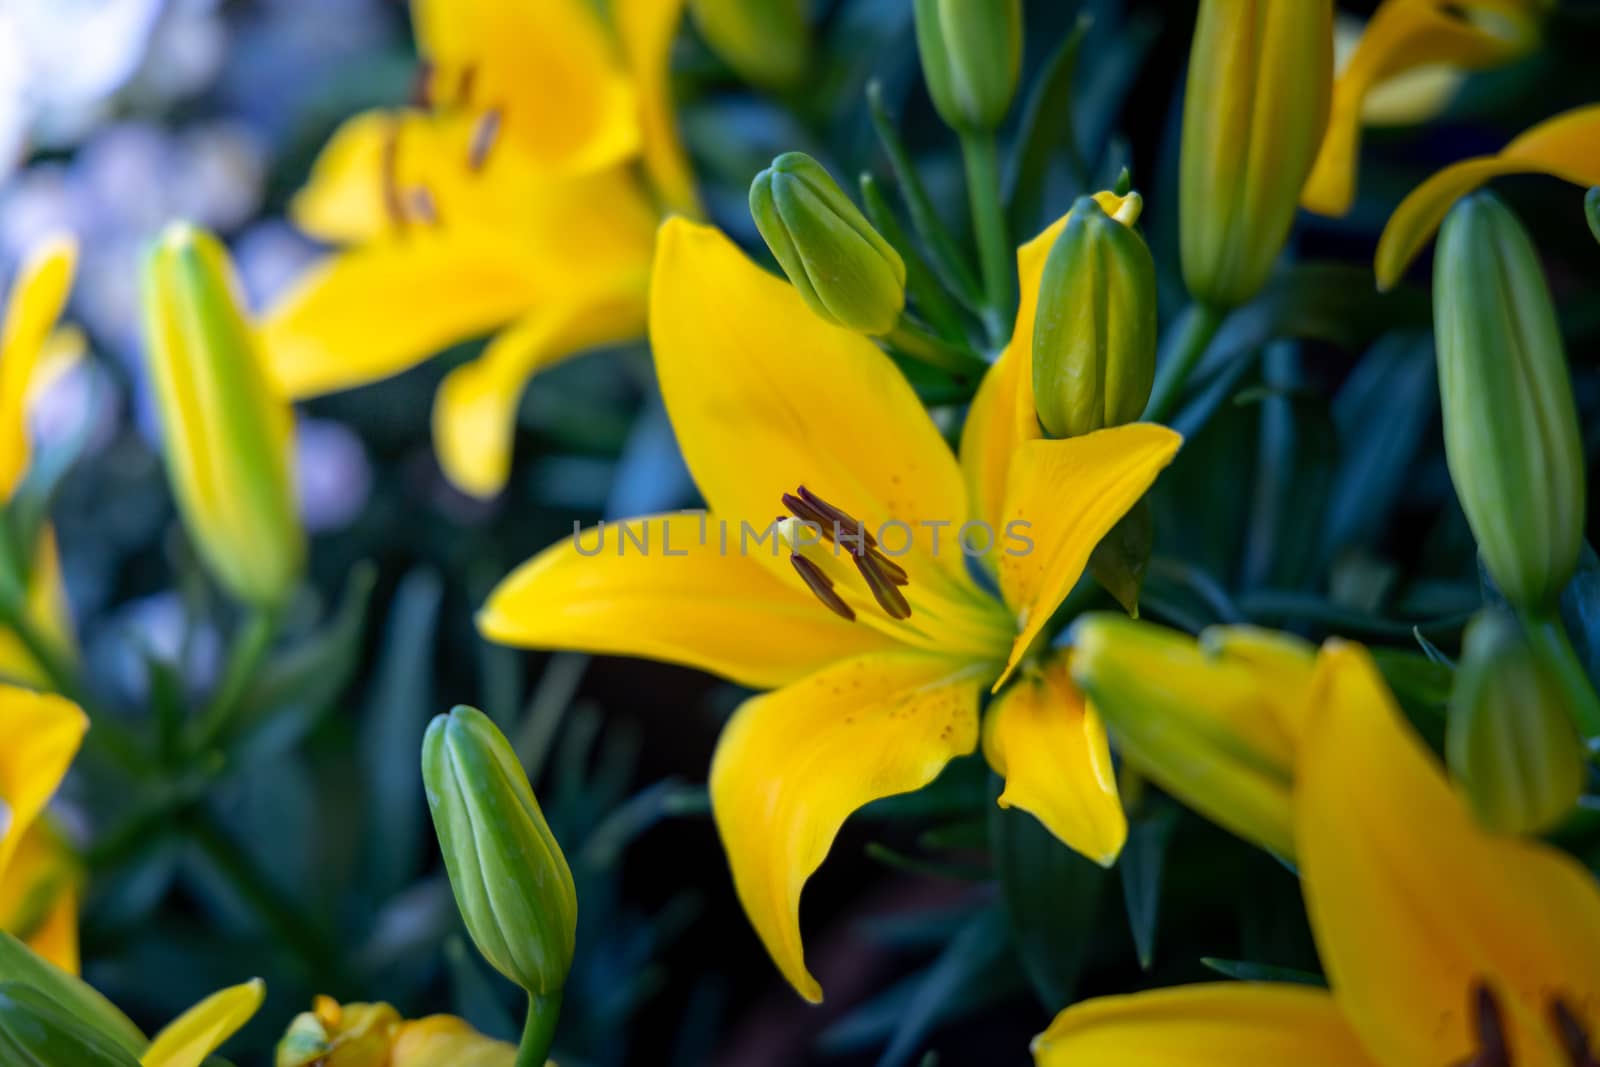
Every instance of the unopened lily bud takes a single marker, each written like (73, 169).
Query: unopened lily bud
(971, 57)
(1094, 339)
(511, 881)
(1510, 425)
(228, 434)
(1213, 722)
(34, 1029)
(766, 41)
(1512, 747)
(844, 268)
(1256, 106)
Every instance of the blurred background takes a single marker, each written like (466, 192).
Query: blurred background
(309, 860)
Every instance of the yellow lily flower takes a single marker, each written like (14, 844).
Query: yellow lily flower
(511, 205)
(1565, 147)
(374, 1035)
(1411, 45)
(39, 735)
(32, 351)
(875, 688)
(200, 1031)
(1444, 944)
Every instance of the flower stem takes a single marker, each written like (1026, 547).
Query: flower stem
(912, 340)
(1196, 328)
(1549, 636)
(249, 647)
(995, 254)
(539, 1032)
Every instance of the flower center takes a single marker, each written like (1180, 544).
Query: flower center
(882, 575)
(1493, 1050)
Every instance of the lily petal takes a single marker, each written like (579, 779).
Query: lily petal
(41, 733)
(37, 299)
(474, 412)
(1049, 744)
(39, 895)
(792, 765)
(1565, 147)
(685, 599)
(1067, 495)
(344, 199)
(445, 1039)
(765, 396)
(1242, 1024)
(549, 72)
(1413, 905)
(647, 29)
(56, 937)
(198, 1032)
(1404, 36)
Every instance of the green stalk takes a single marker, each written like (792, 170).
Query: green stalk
(250, 646)
(1549, 636)
(912, 340)
(996, 257)
(1196, 328)
(539, 1032)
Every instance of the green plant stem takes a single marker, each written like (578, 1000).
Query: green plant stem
(912, 340)
(1549, 636)
(250, 646)
(539, 1032)
(1196, 328)
(996, 257)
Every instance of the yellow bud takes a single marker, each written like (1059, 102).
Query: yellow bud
(1260, 81)
(227, 434)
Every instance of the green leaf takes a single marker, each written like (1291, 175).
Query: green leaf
(22, 965)
(316, 670)
(1591, 208)
(1245, 971)
(1141, 865)
(37, 1029)
(398, 711)
(1047, 126)
(972, 958)
(1051, 896)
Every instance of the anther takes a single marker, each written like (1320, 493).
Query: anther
(465, 84)
(422, 85)
(1486, 1019)
(884, 590)
(389, 168)
(822, 586)
(422, 204)
(1572, 1033)
(484, 136)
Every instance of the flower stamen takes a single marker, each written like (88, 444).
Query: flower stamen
(822, 586)
(883, 576)
(1572, 1033)
(1490, 1026)
(389, 175)
(484, 136)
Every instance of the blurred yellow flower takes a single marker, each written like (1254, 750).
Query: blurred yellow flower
(1565, 147)
(200, 1031)
(33, 351)
(508, 203)
(374, 1035)
(1443, 943)
(1405, 67)
(39, 735)
(877, 656)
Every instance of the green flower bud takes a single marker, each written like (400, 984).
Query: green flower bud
(1511, 744)
(510, 878)
(844, 268)
(228, 434)
(1256, 106)
(766, 41)
(1094, 338)
(36, 1031)
(1510, 426)
(971, 57)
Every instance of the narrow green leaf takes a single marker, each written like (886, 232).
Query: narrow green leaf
(977, 951)
(22, 965)
(1245, 971)
(1047, 127)
(1141, 866)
